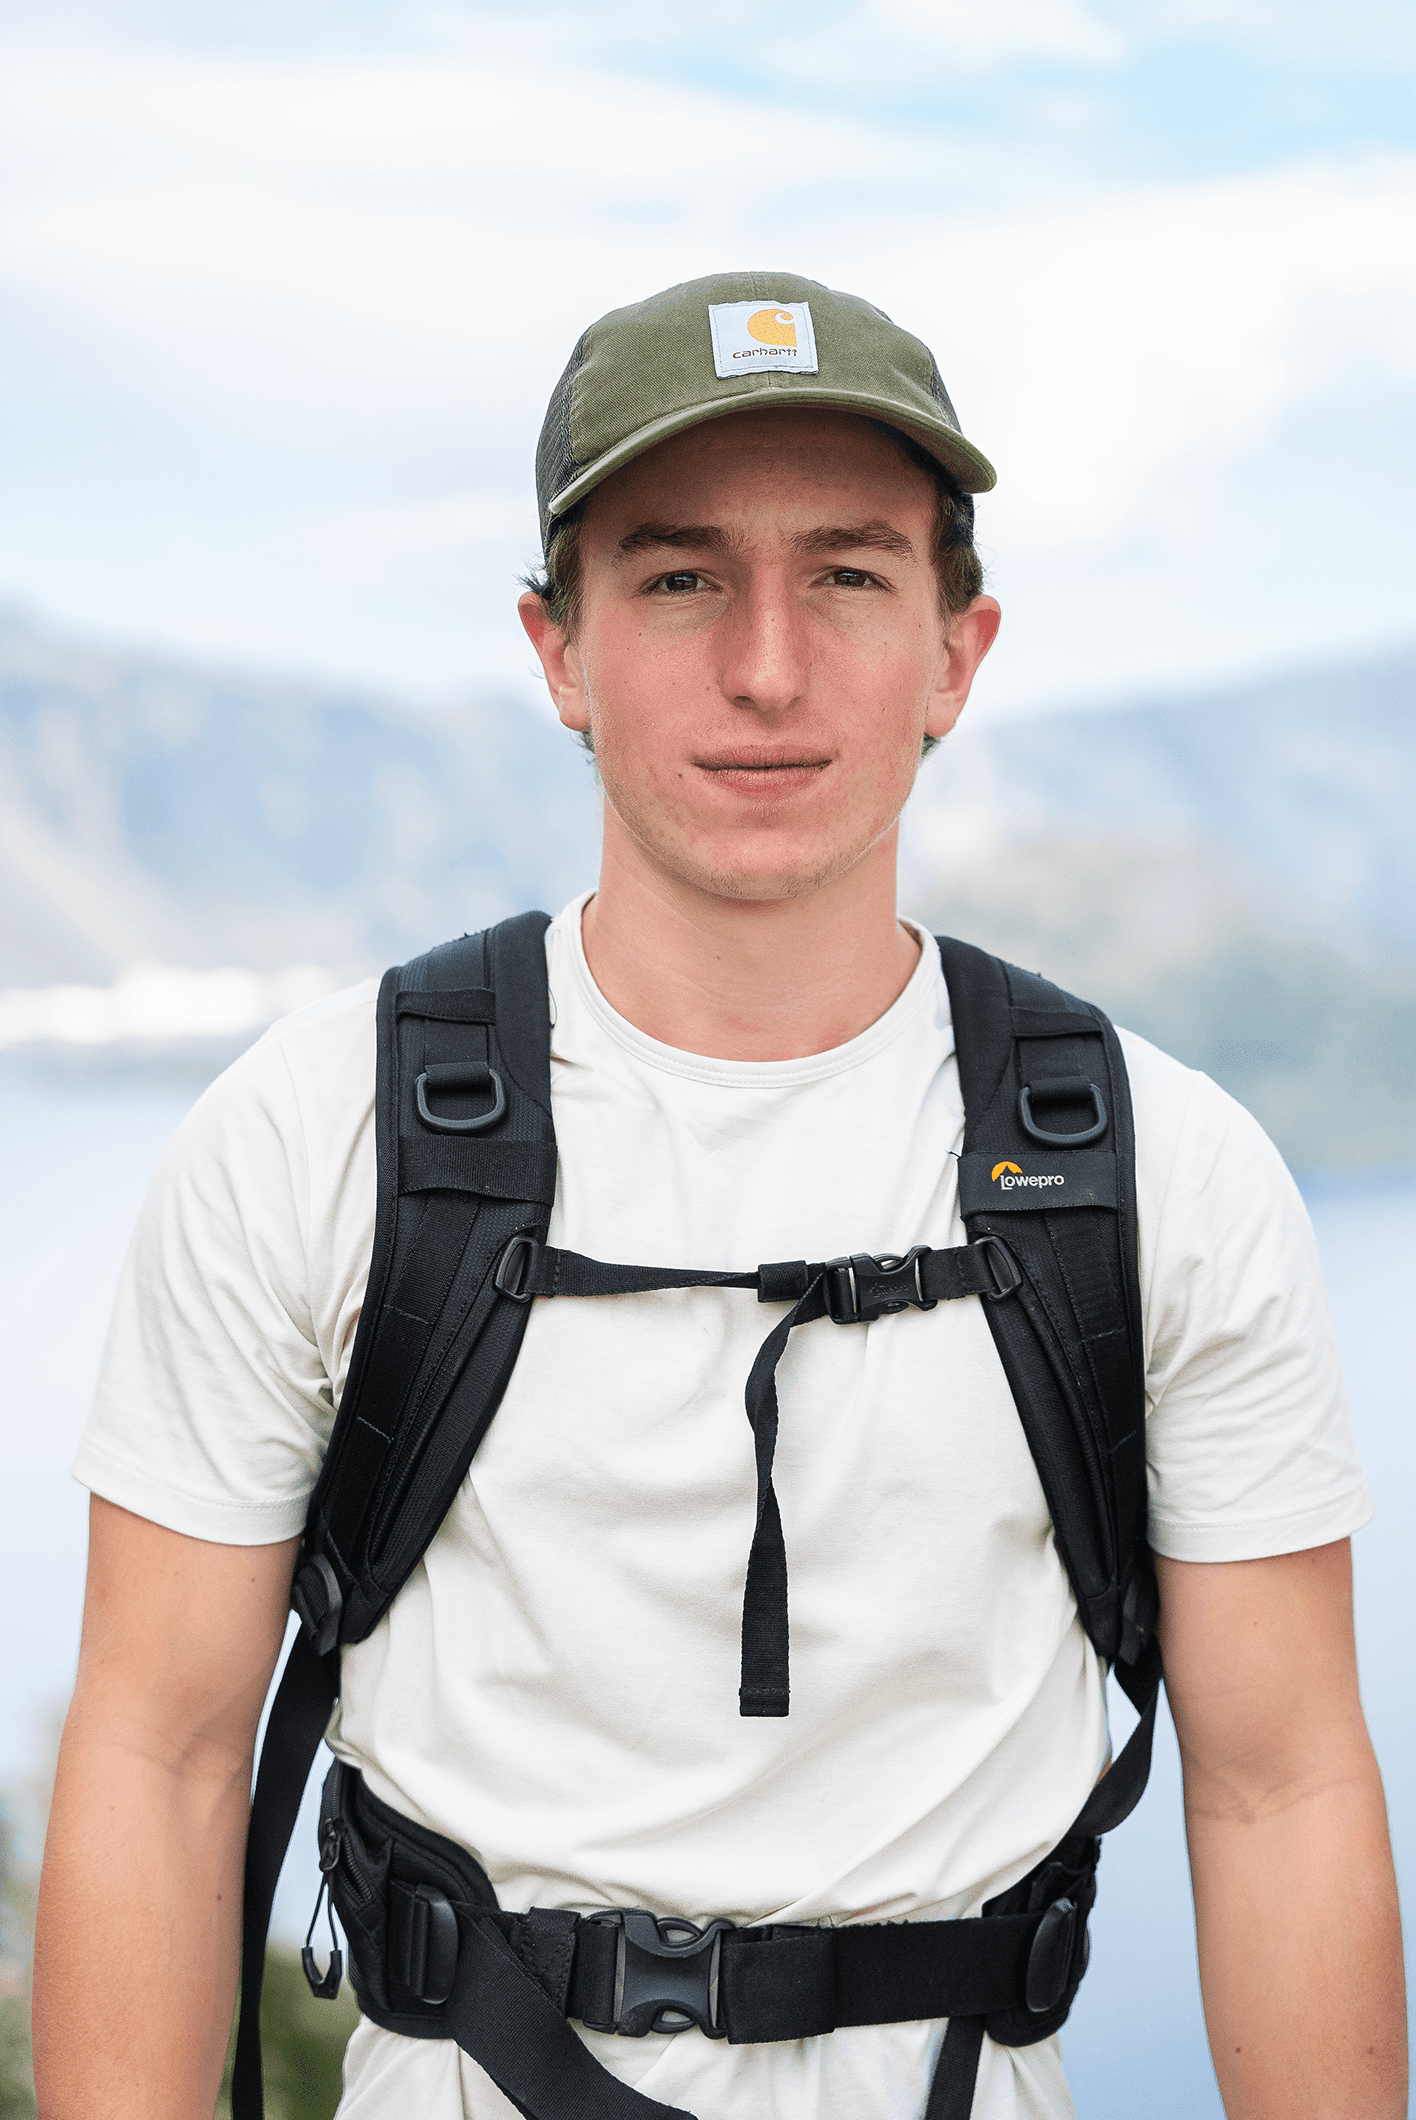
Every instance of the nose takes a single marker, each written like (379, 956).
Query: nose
(766, 656)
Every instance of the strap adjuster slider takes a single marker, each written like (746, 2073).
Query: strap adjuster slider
(1003, 1269)
(317, 1602)
(514, 1268)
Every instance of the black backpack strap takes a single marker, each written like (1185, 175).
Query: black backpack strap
(466, 1161)
(298, 1718)
(1048, 1172)
(1048, 1169)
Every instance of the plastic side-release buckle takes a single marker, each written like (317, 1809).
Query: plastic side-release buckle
(865, 1287)
(666, 1974)
(317, 1602)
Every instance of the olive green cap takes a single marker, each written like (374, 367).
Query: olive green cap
(737, 342)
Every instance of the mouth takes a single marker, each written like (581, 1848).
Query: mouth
(763, 770)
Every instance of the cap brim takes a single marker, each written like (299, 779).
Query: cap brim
(945, 444)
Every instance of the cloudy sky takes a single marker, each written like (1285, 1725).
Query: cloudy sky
(284, 286)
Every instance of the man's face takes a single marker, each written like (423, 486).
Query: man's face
(760, 649)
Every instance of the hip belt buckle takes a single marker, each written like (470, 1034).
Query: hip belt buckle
(666, 1974)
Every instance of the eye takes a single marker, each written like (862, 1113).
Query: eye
(849, 578)
(682, 583)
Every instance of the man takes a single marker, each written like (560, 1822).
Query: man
(761, 602)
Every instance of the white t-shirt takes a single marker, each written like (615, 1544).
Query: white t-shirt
(556, 1685)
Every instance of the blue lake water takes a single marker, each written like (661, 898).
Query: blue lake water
(78, 1147)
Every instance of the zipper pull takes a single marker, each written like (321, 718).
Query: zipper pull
(331, 1840)
(324, 1985)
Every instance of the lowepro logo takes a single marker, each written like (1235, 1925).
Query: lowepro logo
(762, 335)
(1008, 1177)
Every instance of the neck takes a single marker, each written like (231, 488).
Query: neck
(743, 979)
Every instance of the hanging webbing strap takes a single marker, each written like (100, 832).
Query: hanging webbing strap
(951, 2093)
(1124, 1783)
(1054, 1882)
(500, 2014)
(298, 1717)
(851, 1291)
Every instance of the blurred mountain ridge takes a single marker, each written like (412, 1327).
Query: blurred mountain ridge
(152, 809)
(1232, 875)
(1307, 777)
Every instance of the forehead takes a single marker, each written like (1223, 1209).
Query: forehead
(791, 464)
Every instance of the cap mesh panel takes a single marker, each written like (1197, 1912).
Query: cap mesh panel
(555, 459)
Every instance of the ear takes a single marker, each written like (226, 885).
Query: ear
(560, 659)
(971, 635)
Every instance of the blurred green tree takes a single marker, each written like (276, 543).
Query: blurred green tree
(16, 1941)
(302, 2044)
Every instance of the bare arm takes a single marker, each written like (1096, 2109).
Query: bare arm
(1295, 1896)
(140, 1898)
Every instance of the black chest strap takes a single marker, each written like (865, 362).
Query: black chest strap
(851, 1291)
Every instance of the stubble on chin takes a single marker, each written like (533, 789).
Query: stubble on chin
(705, 869)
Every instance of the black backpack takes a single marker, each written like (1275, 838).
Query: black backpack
(466, 1181)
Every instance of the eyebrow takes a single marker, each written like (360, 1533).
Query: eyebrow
(874, 536)
(698, 537)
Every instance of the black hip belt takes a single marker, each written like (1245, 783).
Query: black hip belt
(433, 1956)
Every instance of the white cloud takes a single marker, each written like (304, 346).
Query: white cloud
(868, 45)
(158, 1001)
(1021, 29)
(292, 327)
(1329, 33)
(1104, 343)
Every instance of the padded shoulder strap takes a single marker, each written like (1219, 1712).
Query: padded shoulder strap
(1048, 1168)
(466, 1161)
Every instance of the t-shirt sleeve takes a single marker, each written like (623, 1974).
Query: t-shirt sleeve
(214, 1404)
(1249, 1439)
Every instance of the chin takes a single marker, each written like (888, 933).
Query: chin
(751, 881)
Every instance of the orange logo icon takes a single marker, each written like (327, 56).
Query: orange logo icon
(773, 327)
(999, 1168)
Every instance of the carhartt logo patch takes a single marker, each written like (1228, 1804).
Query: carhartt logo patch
(758, 335)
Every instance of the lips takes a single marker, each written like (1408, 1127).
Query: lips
(762, 771)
